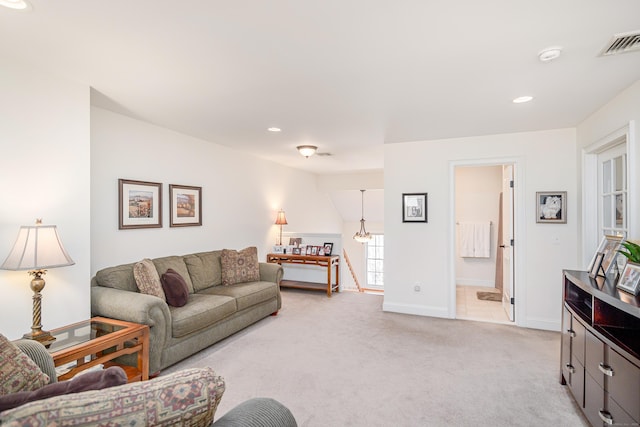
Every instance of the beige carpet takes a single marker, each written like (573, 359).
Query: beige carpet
(344, 362)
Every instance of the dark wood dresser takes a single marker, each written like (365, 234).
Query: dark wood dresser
(600, 352)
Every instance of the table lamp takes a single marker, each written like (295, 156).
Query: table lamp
(281, 220)
(36, 249)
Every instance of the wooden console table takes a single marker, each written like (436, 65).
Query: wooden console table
(321, 261)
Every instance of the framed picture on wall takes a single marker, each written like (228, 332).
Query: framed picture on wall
(185, 205)
(551, 207)
(414, 207)
(139, 204)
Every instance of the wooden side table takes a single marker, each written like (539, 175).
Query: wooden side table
(100, 340)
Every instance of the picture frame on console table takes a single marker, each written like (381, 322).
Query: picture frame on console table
(630, 278)
(185, 205)
(328, 248)
(139, 204)
(608, 247)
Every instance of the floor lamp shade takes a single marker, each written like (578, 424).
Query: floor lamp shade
(36, 249)
(281, 220)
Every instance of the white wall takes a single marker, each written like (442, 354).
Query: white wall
(621, 111)
(422, 253)
(477, 194)
(44, 173)
(241, 193)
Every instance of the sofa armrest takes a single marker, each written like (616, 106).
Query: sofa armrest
(39, 354)
(161, 401)
(259, 411)
(137, 308)
(271, 272)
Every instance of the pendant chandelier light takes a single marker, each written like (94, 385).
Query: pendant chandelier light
(362, 236)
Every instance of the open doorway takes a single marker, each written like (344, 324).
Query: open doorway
(484, 237)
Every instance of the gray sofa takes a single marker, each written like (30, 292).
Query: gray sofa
(213, 311)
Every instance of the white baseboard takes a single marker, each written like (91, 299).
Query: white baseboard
(419, 310)
(544, 324)
(476, 282)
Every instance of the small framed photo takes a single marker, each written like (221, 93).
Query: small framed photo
(594, 271)
(608, 247)
(414, 207)
(551, 207)
(328, 248)
(296, 251)
(295, 241)
(309, 250)
(630, 278)
(314, 250)
(139, 204)
(185, 205)
(278, 249)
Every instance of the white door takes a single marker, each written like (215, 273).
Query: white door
(507, 240)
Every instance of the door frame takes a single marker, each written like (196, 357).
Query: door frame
(519, 284)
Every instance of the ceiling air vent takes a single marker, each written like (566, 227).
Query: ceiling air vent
(621, 43)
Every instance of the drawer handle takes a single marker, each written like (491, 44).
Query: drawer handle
(605, 416)
(571, 369)
(605, 369)
(572, 333)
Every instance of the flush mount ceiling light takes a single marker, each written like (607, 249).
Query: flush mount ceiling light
(549, 54)
(16, 4)
(274, 129)
(307, 150)
(522, 99)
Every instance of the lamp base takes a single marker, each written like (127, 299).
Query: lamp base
(43, 337)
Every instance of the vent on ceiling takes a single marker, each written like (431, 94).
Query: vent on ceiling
(622, 43)
(323, 154)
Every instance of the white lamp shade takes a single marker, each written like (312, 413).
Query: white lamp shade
(37, 247)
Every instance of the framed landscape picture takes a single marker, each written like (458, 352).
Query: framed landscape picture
(185, 205)
(139, 204)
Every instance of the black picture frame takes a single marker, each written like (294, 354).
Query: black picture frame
(596, 266)
(328, 248)
(414, 207)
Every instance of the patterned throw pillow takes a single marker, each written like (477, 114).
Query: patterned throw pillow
(147, 278)
(17, 371)
(240, 266)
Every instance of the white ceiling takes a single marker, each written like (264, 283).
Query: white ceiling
(345, 75)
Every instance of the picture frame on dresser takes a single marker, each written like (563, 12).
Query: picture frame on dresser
(596, 267)
(609, 246)
(630, 278)
(139, 204)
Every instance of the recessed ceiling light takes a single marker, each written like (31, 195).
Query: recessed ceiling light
(522, 99)
(550, 53)
(274, 129)
(16, 4)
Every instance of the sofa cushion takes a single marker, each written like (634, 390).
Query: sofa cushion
(17, 371)
(175, 288)
(177, 264)
(246, 294)
(240, 266)
(95, 380)
(147, 278)
(204, 269)
(118, 277)
(200, 312)
(187, 397)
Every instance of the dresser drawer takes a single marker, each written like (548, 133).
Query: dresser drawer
(619, 416)
(594, 356)
(593, 400)
(578, 342)
(624, 385)
(575, 381)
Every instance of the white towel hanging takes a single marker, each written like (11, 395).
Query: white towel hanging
(474, 239)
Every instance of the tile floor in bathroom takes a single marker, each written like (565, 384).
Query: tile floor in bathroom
(469, 307)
